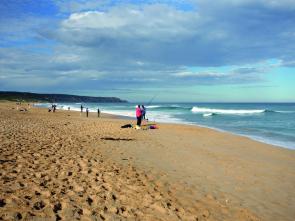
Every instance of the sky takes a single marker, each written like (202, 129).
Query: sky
(175, 50)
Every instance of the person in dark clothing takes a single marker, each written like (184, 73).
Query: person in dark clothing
(81, 108)
(143, 111)
(54, 107)
(87, 112)
(98, 112)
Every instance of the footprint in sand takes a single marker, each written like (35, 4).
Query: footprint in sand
(89, 200)
(2, 202)
(57, 207)
(39, 205)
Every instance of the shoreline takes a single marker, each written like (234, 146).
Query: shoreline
(178, 172)
(252, 137)
(263, 140)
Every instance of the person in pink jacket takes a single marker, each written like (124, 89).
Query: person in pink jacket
(138, 115)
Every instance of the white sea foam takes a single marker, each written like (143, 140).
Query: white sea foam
(75, 109)
(153, 106)
(224, 111)
(152, 116)
(120, 113)
(284, 144)
(208, 115)
(164, 118)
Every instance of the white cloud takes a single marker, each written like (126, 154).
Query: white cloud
(67, 58)
(234, 75)
(153, 22)
(202, 74)
(159, 33)
(152, 42)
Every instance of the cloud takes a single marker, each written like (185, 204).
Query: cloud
(69, 6)
(122, 44)
(289, 63)
(123, 25)
(202, 74)
(238, 75)
(162, 33)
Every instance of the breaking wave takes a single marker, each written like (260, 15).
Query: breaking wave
(167, 107)
(225, 111)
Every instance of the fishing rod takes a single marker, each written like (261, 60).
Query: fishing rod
(152, 99)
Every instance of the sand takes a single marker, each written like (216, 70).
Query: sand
(64, 166)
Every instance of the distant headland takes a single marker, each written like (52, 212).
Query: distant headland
(34, 97)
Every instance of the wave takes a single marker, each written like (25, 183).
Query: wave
(167, 107)
(209, 114)
(152, 116)
(153, 106)
(214, 111)
(225, 111)
(285, 112)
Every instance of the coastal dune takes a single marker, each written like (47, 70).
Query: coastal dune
(64, 166)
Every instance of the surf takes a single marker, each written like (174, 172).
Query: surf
(225, 111)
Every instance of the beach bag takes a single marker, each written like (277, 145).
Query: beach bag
(154, 127)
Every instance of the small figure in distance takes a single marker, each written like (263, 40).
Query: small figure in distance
(54, 107)
(81, 108)
(98, 112)
(87, 111)
(69, 108)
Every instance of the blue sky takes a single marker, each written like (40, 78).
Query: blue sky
(229, 51)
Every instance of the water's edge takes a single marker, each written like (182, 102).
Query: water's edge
(252, 137)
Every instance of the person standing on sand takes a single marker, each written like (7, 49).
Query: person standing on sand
(138, 115)
(81, 108)
(143, 111)
(87, 111)
(98, 112)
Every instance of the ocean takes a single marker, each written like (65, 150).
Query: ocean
(272, 123)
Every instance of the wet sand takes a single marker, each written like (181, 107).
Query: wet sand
(64, 166)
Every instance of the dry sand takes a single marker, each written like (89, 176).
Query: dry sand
(63, 166)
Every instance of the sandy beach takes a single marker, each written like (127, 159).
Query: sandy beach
(64, 166)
